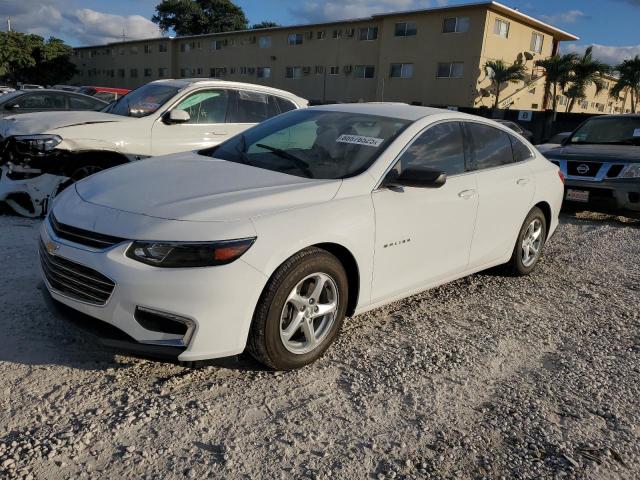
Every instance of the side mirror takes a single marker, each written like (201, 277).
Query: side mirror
(415, 177)
(176, 116)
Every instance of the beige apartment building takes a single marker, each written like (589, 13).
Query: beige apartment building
(429, 57)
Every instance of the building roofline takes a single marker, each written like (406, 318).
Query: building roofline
(556, 32)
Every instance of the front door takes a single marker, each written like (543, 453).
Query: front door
(423, 235)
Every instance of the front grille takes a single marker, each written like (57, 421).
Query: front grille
(83, 237)
(614, 170)
(74, 280)
(583, 169)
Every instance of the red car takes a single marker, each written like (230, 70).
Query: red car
(108, 94)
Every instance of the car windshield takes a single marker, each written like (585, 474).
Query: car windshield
(609, 131)
(142, 101)
(313, 143)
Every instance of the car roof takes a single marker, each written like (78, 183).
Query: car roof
(215, 82)
(393, 110)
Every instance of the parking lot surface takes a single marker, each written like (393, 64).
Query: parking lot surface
(488, 377)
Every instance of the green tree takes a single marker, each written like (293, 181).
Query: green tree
(195, 17)
(558, 71)
(16, 54)
(585, 71)
(265, 24)
(629, 80)
(501, 73)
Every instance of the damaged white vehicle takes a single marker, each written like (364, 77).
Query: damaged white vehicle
(43, 153)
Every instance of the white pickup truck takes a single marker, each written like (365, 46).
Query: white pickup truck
(42, 153)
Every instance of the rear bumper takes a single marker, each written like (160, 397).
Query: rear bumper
(613, 196)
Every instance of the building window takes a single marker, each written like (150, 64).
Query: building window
(121, 72)
(216, 45)
(319, 69)
(134, 50)
(199, 71)
(162, 48)
(295, 39)
(184, 72)
(293, 72)
(321, 35)
(365, 71)
(336, 34)
(501, 28)
(406, 29)
(537, 39)
(147, 72)
(134, 73)
(242, 70)
(450, 70)
(121, 51)
(455, 25)
(162, 72)
(584, 104)
(147, 49)
(264, 72)
(217, 72)
(401, 70)
(334, 70)
(185, 47)
(264, 42)
(368, 33)
(534, 106)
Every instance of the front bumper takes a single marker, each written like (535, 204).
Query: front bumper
(608, 196)
(218, 302)
(28, 196)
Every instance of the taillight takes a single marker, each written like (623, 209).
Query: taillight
(561, 175)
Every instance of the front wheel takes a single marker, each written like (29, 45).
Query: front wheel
(301, 311)
(529, 244)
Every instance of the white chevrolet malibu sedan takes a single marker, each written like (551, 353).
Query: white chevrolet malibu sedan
(266, 242)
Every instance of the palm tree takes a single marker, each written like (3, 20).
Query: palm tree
(558, 73)
(629, 80)
(586, 70)
(500, 73)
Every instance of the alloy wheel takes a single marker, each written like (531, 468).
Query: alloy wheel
(532, 243)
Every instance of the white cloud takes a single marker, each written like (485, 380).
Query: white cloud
(571, 16)
(605, 53)
(81, 26)
(320, 11)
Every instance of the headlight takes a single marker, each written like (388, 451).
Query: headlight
(632, 171)
(36, 144)
(189, 254)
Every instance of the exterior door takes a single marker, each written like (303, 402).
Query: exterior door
(208, 111)
(423, 235)
(505, 187)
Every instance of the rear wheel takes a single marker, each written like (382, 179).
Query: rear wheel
(529, 244)
(301, 311)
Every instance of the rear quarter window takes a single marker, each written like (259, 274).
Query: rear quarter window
(520, 151)
(490, 146)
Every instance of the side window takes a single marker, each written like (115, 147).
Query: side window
(285, 105)
(206, 106)
(490, 146)
(79, 103)
(43, 101)
(440, 147)
(520, 151)
(254, 107)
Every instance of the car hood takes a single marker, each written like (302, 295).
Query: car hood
(600, 153)
(192, 187)
(44, 122)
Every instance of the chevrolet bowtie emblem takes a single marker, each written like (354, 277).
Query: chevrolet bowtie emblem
(52, 248)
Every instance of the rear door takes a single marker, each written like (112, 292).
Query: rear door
(249, 108)
(505, 190)
(41, 101)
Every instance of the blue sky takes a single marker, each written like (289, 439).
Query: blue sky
(610, 24)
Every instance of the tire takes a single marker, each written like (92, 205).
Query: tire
(279, 308)
(521, 264)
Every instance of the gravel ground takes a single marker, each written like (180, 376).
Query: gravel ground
(488, 377)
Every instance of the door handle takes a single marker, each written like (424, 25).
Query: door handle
(467, 194)
(522, 181)
(219, 132)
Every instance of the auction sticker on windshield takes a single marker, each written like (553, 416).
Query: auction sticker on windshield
(360, 140)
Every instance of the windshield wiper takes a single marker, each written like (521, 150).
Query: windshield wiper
(298, 162)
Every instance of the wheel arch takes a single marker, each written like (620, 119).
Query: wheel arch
(350, 265)
(546, 210)
(103, 158)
